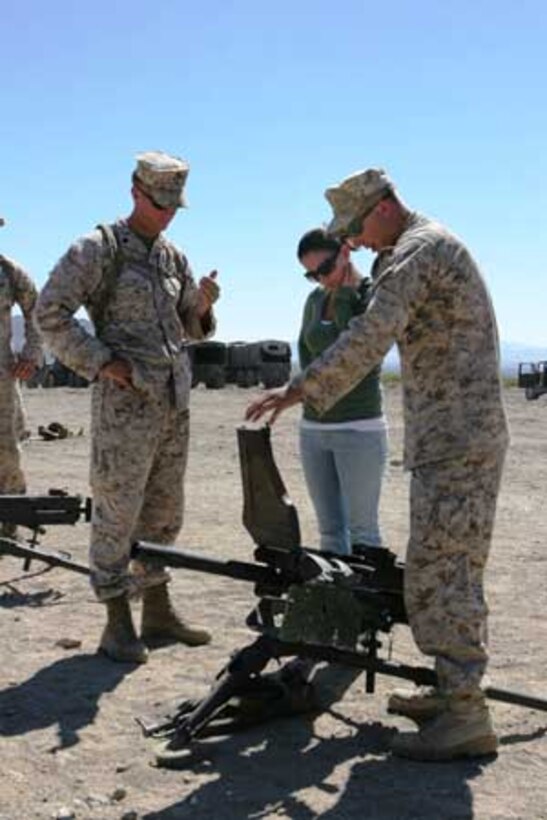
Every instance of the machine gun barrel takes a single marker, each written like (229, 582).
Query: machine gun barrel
(166, 556)
(272, 572)
(517, 698)
(181, 559)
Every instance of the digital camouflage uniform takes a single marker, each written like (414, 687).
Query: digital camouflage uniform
(16, 288)
(140, 436)
(429, 298)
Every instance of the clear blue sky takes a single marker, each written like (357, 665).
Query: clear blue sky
(270, 104)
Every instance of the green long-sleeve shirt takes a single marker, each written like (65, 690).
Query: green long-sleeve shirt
(364, 401)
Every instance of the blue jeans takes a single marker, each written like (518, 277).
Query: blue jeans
(343, 470)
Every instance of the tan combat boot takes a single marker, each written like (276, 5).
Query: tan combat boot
(119, 640)
(162, 625)
(463, 729)
(417, 706)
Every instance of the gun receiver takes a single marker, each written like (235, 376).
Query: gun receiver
(35, 513)
(40, 511)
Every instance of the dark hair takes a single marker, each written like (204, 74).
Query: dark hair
(317, 240)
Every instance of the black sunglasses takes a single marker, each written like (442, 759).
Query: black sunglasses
(324, 269)
(355, 227)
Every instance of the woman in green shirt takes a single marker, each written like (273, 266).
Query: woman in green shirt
(343, 452)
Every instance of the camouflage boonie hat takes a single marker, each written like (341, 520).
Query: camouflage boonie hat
(355, 196)
(163, 177)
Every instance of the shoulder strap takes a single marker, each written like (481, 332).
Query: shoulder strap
(364, 293)
(111, 274)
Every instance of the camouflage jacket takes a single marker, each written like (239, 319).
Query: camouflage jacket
(149, 316)
(430, 299)
(17, 288)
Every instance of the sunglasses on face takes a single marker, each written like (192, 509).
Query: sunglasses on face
(153, 202)
(324, 269)
(355, 227)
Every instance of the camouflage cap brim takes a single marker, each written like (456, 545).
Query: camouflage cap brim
(339, 224)
(167, 198)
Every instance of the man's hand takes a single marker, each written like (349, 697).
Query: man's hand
(274, 401)
(208, 293)
(117, 370)
(23, 369)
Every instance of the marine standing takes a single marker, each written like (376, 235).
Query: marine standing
(141, 295)
(430, 299)
(16, 288)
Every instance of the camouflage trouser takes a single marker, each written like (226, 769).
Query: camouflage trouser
(453, 505)
(12, 479)
(138, 461)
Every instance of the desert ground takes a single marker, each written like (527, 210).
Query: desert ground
(70, 745)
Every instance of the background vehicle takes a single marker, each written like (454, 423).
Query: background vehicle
(532, 376)
(245, 364)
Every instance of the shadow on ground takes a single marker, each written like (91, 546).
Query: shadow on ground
(12, 597)
(266, 771)
(66, 693)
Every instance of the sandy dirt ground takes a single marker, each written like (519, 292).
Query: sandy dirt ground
(70, 746)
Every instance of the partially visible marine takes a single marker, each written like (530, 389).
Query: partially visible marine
(245, 364)
(532, 376)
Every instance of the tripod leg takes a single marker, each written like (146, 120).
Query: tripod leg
(244, 665)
